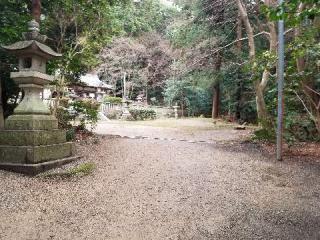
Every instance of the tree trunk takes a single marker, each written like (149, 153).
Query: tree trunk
(147, 95)
(297, 31)
(259, 86)
(239, 89)
(245, 19)
(216, 101)
(317, 121)
(239, 33)
(260, 102)
(182, 109)
(239, 99)
(216, 91)
(1, 108)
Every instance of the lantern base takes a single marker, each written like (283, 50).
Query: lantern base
(33, 169)
(35, 154)
(33, 143)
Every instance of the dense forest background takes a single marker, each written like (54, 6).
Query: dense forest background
(212, 57)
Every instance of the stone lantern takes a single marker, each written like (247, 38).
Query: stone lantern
(31, 141)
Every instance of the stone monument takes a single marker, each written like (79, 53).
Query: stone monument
(126, 115)
(31, 141)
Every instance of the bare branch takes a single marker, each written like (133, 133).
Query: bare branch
(241, 39)
(304, 105)
(312, 90)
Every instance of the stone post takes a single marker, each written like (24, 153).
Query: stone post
(175, 108)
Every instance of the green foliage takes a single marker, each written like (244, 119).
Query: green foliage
(264, 134)
(300, 128)
(187, 35)
(189, 94)
(237, 95)
(114, 114)
(87, 111)
(142, 17)
(114, 100)
(64, 118)
(288, 11)
(141, 114)
(71, 134)
(79, 29)
(13, 18)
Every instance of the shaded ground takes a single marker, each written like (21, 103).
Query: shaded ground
(156, 190)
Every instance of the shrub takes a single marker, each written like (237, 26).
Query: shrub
(114, 114)
(64, 117)
(299, 127)
(71, 134)
(64, 102)
(87, 111)
(296, 128)
(114, 100)
(264, 134)
(142, 114)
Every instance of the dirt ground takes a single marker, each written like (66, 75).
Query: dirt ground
(161, 189)
(197, 129)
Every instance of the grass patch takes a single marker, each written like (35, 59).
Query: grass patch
(81, 170)
(264, 135)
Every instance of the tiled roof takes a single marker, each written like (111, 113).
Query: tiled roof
(92, 80)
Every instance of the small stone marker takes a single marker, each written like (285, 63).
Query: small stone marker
(175, 108)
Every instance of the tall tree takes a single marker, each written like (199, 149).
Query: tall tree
(260, 85)
(1, 108)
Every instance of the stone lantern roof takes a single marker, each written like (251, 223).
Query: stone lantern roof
(33, 44)
(31, 47)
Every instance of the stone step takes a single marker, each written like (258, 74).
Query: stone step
(35, 154)
(31, 137)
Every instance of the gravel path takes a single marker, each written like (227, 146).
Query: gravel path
(161, 190)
